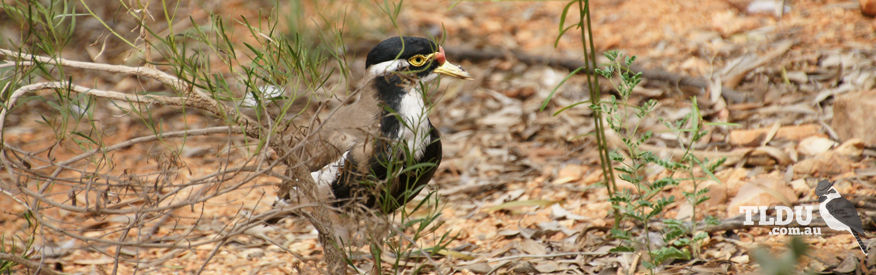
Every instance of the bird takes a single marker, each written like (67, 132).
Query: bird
(393, 148)
(839, 213)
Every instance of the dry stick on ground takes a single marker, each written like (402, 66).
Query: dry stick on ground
(573, 64)
(193, 97)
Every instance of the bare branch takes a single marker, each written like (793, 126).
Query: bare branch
(194, 97)
(124, 144)
(165, 78)
(27, 263)
(143, 99)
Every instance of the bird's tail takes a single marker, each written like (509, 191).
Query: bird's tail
(860, 243)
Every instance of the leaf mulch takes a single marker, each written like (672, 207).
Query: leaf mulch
(520, 185)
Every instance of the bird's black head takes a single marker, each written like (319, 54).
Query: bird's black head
(823, 187)
(400, 48)
(416, 56)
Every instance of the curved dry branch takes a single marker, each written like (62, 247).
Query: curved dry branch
(36, 87)
(169, 80)
(194, 97)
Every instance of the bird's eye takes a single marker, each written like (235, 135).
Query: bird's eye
(417, 60)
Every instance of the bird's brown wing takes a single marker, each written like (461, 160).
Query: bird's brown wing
(350, 126)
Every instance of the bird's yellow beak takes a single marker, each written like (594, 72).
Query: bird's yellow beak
(452, 70)
(447, 68)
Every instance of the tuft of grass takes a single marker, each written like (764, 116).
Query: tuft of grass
(18, 245)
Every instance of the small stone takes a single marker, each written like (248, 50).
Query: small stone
(569, 173)
(849, 264)
(827, 164)
(815, 145)
(801, 187)
(868, 7)
(253, 253)
(848, 111)
(481, 268)
(524, 268)
(741, 259)
(765, 190)
(685, 210)
(718, 192)
(797, 76)
(767, 6)
(547, 267)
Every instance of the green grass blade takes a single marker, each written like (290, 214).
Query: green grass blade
(551, 95)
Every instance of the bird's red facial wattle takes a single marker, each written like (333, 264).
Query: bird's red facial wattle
(447, 68)
(440, 57)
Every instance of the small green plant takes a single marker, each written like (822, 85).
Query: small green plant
(645, 203)
(690, 128)
(785, 264)
(639, 211)
(589, 50)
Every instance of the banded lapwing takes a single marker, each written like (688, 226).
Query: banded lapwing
(395, 150)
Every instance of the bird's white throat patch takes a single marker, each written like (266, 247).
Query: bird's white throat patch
(414, 130)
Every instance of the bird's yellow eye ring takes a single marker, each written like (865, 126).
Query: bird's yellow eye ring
(418, 60)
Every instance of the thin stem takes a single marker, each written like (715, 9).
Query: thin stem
(595, 95)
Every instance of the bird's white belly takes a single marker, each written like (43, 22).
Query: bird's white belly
(830, 220)
(327, 174)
